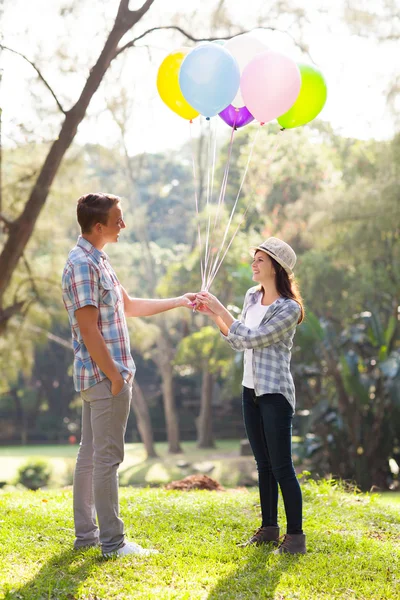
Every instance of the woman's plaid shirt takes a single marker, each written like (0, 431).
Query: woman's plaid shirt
(271, 343)
(89, 279)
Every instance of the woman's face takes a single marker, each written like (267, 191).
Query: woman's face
(262, 266)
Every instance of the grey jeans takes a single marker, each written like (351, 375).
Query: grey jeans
(104, 419)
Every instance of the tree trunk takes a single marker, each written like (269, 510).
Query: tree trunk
(171, 415)
(21, 229)
(141, 411)
(205, 438)
(163, 358)
(20, 417)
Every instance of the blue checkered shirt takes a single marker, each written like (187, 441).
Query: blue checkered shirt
(89, 280)
(271, 343)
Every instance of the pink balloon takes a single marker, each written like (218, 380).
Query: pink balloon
(270, 84)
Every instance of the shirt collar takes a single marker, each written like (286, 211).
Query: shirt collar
(87, 247)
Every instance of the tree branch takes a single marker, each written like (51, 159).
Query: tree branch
(143, 9)
(203, 39)
(7, 313)
(39, 74)
(123, 9)
(7, 222)
(33, 283)
(130, 17)
(22, 179)
(31, 278)
(50, 336)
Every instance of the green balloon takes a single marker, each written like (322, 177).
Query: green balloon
(310, 101)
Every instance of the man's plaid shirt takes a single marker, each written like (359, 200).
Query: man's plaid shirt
(271, 343)
(89, 279)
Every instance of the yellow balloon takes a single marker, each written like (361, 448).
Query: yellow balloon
(168, 84)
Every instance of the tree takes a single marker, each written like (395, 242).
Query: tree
(204, 351)
(19, 230)
(355, 412)
(55, 392)
(382, 25)
(163, 350)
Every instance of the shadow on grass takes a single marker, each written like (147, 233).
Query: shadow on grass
(230, 472)
(60, 577)
(149, 472)
(256, 578)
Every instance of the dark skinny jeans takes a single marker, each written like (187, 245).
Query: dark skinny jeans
(268, 423)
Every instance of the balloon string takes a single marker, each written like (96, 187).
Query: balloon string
(214, 156)
(210, 245)
(216, 264)
(196, 199)
(221, 198)
(270, 159)
(210, 181)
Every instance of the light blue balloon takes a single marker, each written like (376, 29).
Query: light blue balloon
(209, 78)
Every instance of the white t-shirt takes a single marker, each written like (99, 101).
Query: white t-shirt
(254, 316)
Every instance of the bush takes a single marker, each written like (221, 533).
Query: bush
(35, 473)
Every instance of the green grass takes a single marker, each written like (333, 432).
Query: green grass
(392, 498)
(353, 549)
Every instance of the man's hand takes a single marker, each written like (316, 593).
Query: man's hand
(117, 385)
(187, 300)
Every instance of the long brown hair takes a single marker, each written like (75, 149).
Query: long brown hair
(287, 287)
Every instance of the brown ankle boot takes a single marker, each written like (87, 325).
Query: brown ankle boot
(292, 543)
(264, 535)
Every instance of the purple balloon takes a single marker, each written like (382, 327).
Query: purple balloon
(236, 117)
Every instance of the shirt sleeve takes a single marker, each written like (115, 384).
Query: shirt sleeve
(235, 344)
(283, 321)
(82, 286)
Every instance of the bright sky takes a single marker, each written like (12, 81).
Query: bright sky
(358, 71)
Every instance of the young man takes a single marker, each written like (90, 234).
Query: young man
(97, 305)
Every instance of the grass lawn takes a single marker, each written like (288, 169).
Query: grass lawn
(392, 498)
(353, 548)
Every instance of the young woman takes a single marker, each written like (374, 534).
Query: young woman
(265, 333)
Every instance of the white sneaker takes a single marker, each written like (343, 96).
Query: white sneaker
(130, 548)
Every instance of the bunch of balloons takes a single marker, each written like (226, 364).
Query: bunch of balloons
(241, 80)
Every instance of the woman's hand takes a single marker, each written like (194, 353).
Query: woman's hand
(210, 302)
(203, 309)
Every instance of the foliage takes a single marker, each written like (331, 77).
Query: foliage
(333, 198)
(355, 408)
(35, 473)
(204, 348)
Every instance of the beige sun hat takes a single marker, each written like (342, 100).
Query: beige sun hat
(279, 251)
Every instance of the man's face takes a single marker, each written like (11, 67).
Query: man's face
(115, 223)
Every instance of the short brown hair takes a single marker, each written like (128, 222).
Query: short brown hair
(94, 208)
